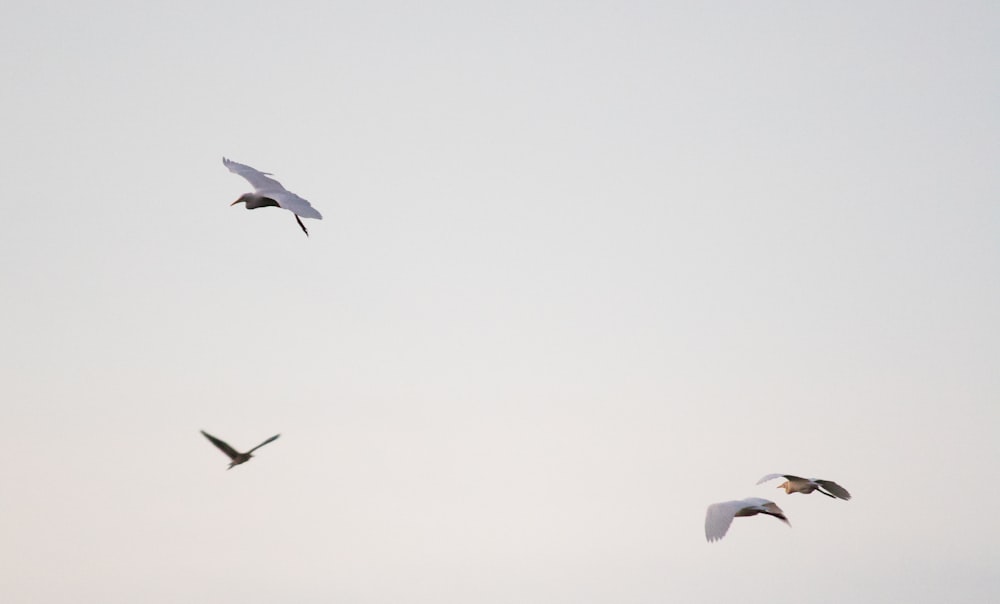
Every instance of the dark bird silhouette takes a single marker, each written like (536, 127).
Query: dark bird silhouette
(796, 484)
(234, 455)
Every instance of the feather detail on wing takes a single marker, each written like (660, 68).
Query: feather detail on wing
(833, 488)
(719, 517)
(260, 181)
(295, 204)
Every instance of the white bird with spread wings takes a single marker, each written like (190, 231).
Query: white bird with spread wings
(269, 192)
(719, 516)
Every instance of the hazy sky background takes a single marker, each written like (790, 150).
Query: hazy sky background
(585, 268)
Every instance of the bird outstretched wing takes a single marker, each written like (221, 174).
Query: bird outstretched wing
(295, 204)
(266, 186)
(260, 181)
(770, 477)
(718, 517)
(834, 488)
(275, 437)
(223, 446)
(773, 509)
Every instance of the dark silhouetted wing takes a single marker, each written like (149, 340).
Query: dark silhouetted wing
(833, 488)
(223, 446)
(275, 437)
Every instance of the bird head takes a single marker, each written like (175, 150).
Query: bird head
(242, 199)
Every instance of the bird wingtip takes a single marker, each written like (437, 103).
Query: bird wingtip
(767, 477)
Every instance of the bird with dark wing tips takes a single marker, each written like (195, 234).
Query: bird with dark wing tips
(719, 516)
(797, 484)
(236, 458)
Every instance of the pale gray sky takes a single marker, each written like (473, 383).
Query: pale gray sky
(585, 268)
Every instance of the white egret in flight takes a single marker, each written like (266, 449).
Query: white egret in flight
(796, 484)
(269, 192)
(720, 515)
(236, 457)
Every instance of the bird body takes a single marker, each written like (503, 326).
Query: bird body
(236, 458)
(797, 484)
(269, 192)
(719, 516)
(254, 201)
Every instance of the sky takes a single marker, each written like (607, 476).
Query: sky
(584, 269)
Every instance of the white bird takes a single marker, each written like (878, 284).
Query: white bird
(236, 458)
(796, 484)
(269, 192)
(720, 515)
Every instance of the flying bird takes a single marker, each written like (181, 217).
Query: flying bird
(269, 192)
(236, 457)
(795, 484)
(720, 515)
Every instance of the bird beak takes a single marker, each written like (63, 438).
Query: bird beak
(236, 202)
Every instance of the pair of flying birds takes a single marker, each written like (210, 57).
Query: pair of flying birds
(720, 515)
(267, 192)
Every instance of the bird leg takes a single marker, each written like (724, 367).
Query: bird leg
(299, 220)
